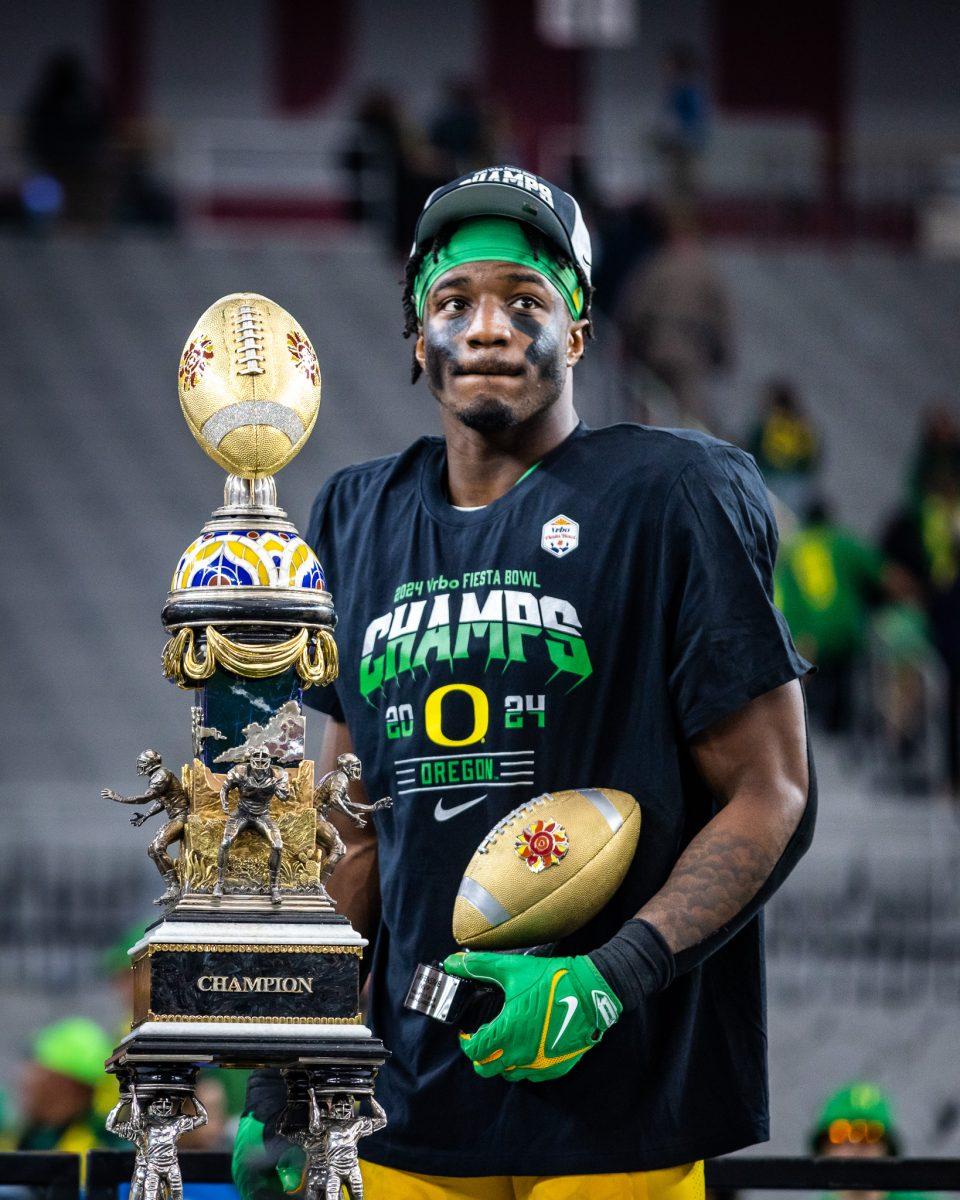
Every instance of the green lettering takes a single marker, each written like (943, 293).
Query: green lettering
(480, 629)
(569, 654)
(515, 636)
(371, 674)
(436, 642)
(399, 656)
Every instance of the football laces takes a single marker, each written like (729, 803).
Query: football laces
(248, 341)
(501, 826)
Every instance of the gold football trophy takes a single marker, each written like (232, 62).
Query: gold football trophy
(249, 964)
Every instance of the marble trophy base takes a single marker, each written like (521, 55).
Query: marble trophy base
(227, 986)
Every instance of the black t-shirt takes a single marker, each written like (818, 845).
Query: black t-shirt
(576, 632)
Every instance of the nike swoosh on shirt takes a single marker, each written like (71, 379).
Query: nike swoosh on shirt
(572, 1004)
(444, 814)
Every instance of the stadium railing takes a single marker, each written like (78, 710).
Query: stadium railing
(58, 1176)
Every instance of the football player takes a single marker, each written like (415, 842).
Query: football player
(553, 606)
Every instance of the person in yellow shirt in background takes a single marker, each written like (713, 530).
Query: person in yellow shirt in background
(56, 1090)
(826, 579)
(786, 446)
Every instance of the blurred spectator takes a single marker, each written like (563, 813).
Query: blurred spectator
(938, 452)
(56, 1093)
(66, 130)
(785, 444)
(857, 1122)
(624, 239)
(683, 126)
(675, 318)
(377, 161)
(141, 199)
(461, 132)
(903, 652)
(826, 578)
(923, 538)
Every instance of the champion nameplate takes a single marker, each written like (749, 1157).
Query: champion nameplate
(291, 984)
(248, 983)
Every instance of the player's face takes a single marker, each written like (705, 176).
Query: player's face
(497, 343)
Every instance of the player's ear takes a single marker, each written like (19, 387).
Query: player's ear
(575, 336)
(418, 351)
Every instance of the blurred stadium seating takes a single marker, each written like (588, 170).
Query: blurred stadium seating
(105, 488)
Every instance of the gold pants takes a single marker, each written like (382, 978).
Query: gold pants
(674, 1183)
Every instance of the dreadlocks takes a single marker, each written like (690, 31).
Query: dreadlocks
(538, 244)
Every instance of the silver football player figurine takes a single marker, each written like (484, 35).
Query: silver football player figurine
(332, 793)
(330, 1141)
(256, 782)
(155, 1133)
(165, 794)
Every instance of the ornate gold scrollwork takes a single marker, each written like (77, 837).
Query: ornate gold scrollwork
(313, 654)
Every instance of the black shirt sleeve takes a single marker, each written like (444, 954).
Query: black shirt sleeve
(323, 699)
(726, 640)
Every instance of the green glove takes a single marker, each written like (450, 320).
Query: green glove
(257, 1172)
(555, 1010)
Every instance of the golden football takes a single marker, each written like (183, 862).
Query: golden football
(249, 384)
(546, 869)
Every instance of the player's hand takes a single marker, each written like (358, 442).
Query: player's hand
(138, 818)
(109, 794)
(383, 802)
(261, 1170)
(554, 1011)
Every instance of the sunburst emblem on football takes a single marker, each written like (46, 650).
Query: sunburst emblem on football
(249, 383)
(546, 869)
(543, 845)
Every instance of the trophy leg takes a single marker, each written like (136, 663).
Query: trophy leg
(155, 1100)
(322, 1117)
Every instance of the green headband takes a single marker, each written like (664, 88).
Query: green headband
(497, 239)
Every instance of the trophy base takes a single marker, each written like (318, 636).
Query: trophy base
(246, 975)
(350, 1063)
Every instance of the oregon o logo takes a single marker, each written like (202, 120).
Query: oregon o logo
(433, 715)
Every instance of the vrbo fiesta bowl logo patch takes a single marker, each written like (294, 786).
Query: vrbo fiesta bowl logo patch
(560, 535)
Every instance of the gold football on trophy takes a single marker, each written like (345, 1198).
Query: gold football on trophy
(249, 383)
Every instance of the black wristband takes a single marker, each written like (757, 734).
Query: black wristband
(636, 963)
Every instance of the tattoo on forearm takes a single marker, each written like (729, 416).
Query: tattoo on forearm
(718, 873)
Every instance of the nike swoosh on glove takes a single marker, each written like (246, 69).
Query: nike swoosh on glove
(554, 1011)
